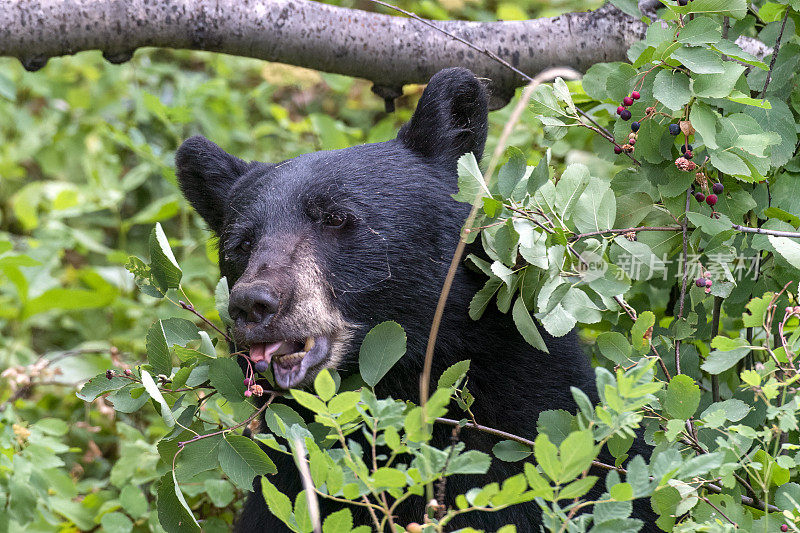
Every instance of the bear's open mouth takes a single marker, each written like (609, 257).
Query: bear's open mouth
(291, 359)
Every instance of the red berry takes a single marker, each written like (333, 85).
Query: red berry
(700, 282)
(248, 382)
(688, 155)
(709, 283)
(632, 141)
(635, 95)
(617, 149)
(248, 393)
(109, 374)
(699, 197)
(718, 188)
(711, 199)
(625, 115)
(784, 528)
(627, 100)
(620, 109)
(128, 372)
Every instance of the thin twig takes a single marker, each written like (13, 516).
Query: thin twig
(714, 332)
(684, 256)
(762, 231)
(299, 451)
(191, 309)
(626, 230)
(775, 53)
(717, 509)
(424, 385)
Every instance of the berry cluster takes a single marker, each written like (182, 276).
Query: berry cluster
(253, 388)
(623, 111)
(793, 310)
(705, 281)
(712, 197)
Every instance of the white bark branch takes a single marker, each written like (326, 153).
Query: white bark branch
(390, 51)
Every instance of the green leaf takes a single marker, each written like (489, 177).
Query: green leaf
(614, 346)
(727, 8)
(701, 30)
(470, 180)
(222, 298)
(539, 176)
(279, 504)
(174, 515)
(578, 488)
(100, 384)
(389, 477)
(642, 331)
(512, 172)
(621, 492)
(577, 453)
(597, 207)
(526, 326)
(556, 424)
(341, 520)
(704, 121)
(309, 401)
(383, 346)
(115, 522)
(672, 89)
(682, 398)
(242, 460)
(226, 376)
(157, 349)
(220, 492)
(787, 248)
(453, 374)
(511, 451)
(166, 272)
(717, 85)
(699, 60)
(734, 410)
(720, 361)
(546, 455)
(324, 385)
(708, 225)
(152, 389)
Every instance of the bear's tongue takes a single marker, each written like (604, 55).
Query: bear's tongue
(264, 352)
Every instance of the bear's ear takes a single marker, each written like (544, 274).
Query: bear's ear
(206, 174)
(451, 117)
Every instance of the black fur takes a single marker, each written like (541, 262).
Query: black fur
(389, 263)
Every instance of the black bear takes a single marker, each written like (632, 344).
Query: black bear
(320, 248)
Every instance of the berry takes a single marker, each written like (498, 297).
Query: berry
(718, 188)
(413, 527)
(711, 199)
(627, 100)
(688, 155)
(699, 197)
(625, 115)
(674, 129)
(635, 126)
(683, 2)
(109, 374)
(248, 393)
(128, 372)
(784, 528)
(617, 149)
(700, 282)
(632, 142)
(709, 283)
(789, 310)
(635, 95)
(706, 274)
(248, 382)
(686, 148)
(620, 109)
(261, 367)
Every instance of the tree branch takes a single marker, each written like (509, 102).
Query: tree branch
(388, 50)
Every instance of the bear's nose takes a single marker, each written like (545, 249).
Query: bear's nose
(252, 303)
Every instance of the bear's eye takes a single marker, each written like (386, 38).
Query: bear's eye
(335, 220)
(246, 246)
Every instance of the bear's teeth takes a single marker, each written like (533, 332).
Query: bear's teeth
(292, 358)
(309, 344)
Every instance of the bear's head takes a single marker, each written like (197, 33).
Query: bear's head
(320, 248)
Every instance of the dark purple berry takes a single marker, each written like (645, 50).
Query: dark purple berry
(708, 282)
(617, 149)
(625, 115)
(261, 367)
(248, 382)
(627, 101)
(635, 126)
(109, 374)
(700, 282)
(683, 2)
(711, 199)
(632, 141)
(620, 109)
(686, 148)
(699, 197)
(688, 154)
(718, 188)
(674, 129)
(635, 95)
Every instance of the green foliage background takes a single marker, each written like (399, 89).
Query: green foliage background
(86, 170)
